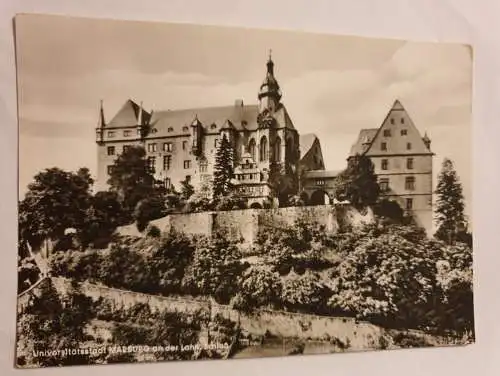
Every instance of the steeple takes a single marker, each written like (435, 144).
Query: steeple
(101, 122)
(270, 92)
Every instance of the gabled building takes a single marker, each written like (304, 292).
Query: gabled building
(403, 162)
(183, 143)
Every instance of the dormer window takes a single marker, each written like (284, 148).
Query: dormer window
(185, 129)
(170, 129)
(213, 126)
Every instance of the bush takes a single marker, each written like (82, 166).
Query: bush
(153, 231)
(149, 209)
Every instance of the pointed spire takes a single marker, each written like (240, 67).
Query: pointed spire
(101, 122)
(270, 64)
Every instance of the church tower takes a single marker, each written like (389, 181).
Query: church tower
(270, 92)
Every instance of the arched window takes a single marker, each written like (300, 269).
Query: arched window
(251, 148)
(277, 149)
(263, 149)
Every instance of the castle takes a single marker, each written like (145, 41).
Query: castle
(182, 144)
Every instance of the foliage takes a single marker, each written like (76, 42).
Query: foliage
(223, 169)
(215, 267)
(231, 201)
(153, 231)
(102, 218)
(56, 200)
(187, 190)
(27, 273)
(389, 210)
(258, 287)
(55, 323)
(131, 178)
(149, 209)
(450, 204)
(358, 183)
(304, 292)
(284, 182)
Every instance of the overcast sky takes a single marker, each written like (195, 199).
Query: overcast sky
(332, 86)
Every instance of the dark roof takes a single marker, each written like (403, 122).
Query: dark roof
(364, 140)
(306, 142)
(321, 173)
(128, 115)
(213, 119)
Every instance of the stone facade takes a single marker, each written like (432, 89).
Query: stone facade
(403, 163)
(184, 143)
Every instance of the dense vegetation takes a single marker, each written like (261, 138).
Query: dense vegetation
(392, 275)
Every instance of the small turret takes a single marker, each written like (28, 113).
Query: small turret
(196, 130)
(427, 141)
(101, 123)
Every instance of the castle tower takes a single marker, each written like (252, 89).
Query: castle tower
(269, 92)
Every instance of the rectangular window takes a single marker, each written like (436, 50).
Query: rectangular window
(408, 146)
(385, 164)
(110, 170)
(409, 163)
(387, 133)
(184, 145)
(383, 146)
(127, 133)
(216, 142)
(203, 167)
(409, 203)
(384, 184)
(404, 132)
(125, 148)
(167, 162)
(111, 150)
(187, 164)
(111, 134)
(320, 182)
(410, 183)
(167, 146)
(151, 164)
(402, 120)
(167, 183)
(151, 148)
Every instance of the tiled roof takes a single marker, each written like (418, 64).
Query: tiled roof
(306, 142)
(213, 119)
(127, 116)
(321, 174)
(364, 140)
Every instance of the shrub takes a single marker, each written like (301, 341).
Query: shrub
(153, 231)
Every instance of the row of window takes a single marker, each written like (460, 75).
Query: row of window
(409, 184)
(388, 133)
(152, 148)
(383, 146)
(248, 176)
(126, 133)
(167, 146)
(385, 164)
(167, 163)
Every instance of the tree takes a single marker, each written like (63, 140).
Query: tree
(56, 200)
(132, 178)
(187, 189)
(223, 169)
(148, 209)
(358, 182)
(450, 205)
(284, 182)
(102, 218)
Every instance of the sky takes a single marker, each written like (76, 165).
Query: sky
(332, 86)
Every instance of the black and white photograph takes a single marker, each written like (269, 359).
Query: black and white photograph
(195, 192)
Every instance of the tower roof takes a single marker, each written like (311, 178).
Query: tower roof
(129, 115)
(270, 86)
